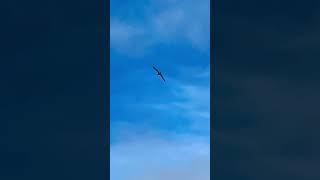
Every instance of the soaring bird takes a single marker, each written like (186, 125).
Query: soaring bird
(159, 73)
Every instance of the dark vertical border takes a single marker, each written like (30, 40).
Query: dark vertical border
(105, 88)
(54, 94)
(106, 119)
(268, 124)
(212, 71)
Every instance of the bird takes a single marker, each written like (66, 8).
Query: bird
(159, 73)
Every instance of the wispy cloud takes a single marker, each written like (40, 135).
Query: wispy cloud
(185, 157)
(168, 23)
(147, 152)
(192, 101)
(161, 131)
(128, 38)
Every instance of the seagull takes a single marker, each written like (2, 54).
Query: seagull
(159, 73)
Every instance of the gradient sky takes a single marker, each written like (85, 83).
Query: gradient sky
(160, 130)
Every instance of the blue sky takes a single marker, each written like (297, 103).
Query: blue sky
(160, 130)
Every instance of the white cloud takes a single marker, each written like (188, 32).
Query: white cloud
(122, 33)
(183, 157)
(164, 23)
(141, 152)
(192, 100)
(128, 38)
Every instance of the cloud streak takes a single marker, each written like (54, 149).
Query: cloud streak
(192, 100)
(183, 157)
(169, 23)
(161, 131)
(146, 152)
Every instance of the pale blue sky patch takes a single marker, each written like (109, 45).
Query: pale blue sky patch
(183, 21)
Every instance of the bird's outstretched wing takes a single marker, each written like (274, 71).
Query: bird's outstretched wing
(162, 77)
(156, 69)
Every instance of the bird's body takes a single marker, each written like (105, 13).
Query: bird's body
(159, 73)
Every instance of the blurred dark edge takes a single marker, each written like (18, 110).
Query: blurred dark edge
(265, 89)
(54, 93)
(212, 62)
